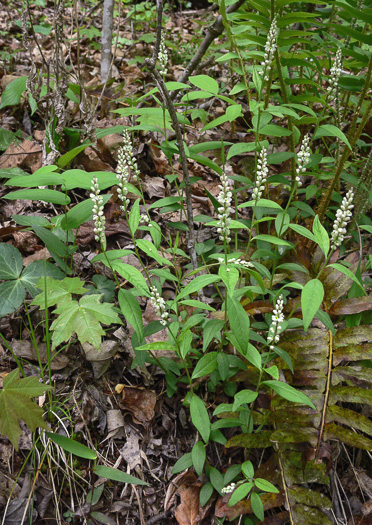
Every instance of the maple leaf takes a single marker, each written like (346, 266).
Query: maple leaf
(16, 403)
(84, 318)
(58, 291)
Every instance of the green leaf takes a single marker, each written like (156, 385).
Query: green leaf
(265, 485)
(230, 276)
(257, 506)
(158, 345)
(328, 130)
(83, 318)
(13, 92)
(134, 217)
(72, 446)
(288, 392)
(275, 131)
(205, 83)
(243, 397)
(272, 240)
(197, 304)
(205, 493)
(264, 203)
(117, 475)
(51, 196)
(80, 213)
(34, 271)
(239, 323)
(197, 285)
(149, 248)
(348, 273)
(211, 329)
(205, 365)
(58, 291)
(131, 310)
(311, 298)
(182, 464)
(198, 455)
(303, 231)
(16, 404)
(216, 479)
(132, 275)
(12, 295)
(102, 286)
(51, 241)
(321, 236)
(243, 147)
(11, 262)
(240, 493)
(71, 154)
(200, 418)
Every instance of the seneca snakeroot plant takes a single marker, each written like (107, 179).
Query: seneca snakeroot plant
(270, 48)
(262, 173)
(163, 57)
(335, 73)
(343, 216)
(159, 305)
(129, 157)
(224, 198)
(98, 215)
(122, 175)
(303, 158)
(276, 323)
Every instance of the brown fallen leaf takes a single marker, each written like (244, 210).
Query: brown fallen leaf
(354, 305)
(187, 511)
(139, 402)
(26, 350)
(26, 155)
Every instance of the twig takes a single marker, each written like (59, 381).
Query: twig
(151, 64)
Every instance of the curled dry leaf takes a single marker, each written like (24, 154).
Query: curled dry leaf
(139, 402)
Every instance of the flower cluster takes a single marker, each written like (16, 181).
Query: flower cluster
(335, 76)
(303, 158)
(98, 215)
(276, 323)
(159, 305)
(343, 216)
(238, 262)
(262, 173)
(129, 157)
(224, 198)
(163, 57)
(228, 488)
(270, 48)
(126, 162)
(144, 219)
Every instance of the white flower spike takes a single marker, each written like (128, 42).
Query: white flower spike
(262, 173)
(270, 48)
(332, 89)
(276, 323)
(159, 305)
(224, 198)
(163, 57)
(98, 214)
(343, 216)
(303, 158)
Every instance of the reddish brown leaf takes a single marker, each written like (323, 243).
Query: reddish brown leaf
(139, 402)
(354, 305)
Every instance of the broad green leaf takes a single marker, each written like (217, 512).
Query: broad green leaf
(348, 273)
(240, 493)
(83, 318)
(51, 241)
(216, 479)
(303, 231)
(243, 147)
(52, 196)
(197, 285)
(31, 220)
(275, 131)
(158, 345)
(71, 154)
(205, 493)
(328, 130)
(117, 475)
(185, 342)
(11, 262)
(57, 291)
(112, 255)
(134, 217)
(72, 446)
(102, 286)
(212, 328)
(239, 323)
(311, 298)
(80, 213)
(16, 403)
(230, 276)
(265, 485)
(149, 248)
(12, 295)
(182, 464)
(132, 275)
(272, 240)
(36, 270)
(35, 180)
(205, 83)
(264, 203)
(288, 392)
(198, 455)
(244, 397)
(167, 201)
(197, 304)
(321, 236)
(205, 365)
(131, 310)
(200, 418)
(257, 506)
(13, 92)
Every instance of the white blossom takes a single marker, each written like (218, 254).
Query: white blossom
(98, 214)
(130, 158)
(224, 198)
(159, 305)
(262, 173)
(276, 323)
(270, 48)
(237, 262)
(144, 219)
(335, 73)
(228, 488)
(303, 158)
(163, 57)
(122, 175)
(343, 216)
